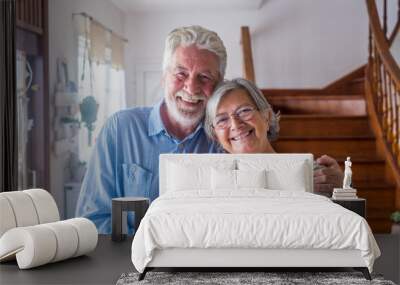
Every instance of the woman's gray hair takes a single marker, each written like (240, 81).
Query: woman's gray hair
(201, 37)
(257, 96)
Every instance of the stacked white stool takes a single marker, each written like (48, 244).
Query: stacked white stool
(31, 231)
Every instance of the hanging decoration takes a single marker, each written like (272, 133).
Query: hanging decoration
(88, 109)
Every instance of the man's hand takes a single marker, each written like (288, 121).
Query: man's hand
(327, 177)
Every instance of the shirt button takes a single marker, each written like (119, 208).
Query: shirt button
(180, 147)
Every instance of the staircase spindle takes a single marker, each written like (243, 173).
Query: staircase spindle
(396, 131)
(370, 44)
(389, 106)
(375, 87)
(397, 94)
(381, 94)
(390, 91)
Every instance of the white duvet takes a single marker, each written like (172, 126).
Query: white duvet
(253, 218)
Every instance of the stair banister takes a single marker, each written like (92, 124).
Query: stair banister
(383, 93)
(248, 66)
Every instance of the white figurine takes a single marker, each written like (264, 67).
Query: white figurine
(347, 174)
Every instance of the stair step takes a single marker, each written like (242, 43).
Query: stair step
(368, 173)
(324, 125)
(380, 204)
(347, 138)
(362, 146)
(376, 213)
(378, 199)
(373, 159)
(334, 121)
(356, 86)
(368, 170)
(309, 93)
(309, 102)
(376, 185)
(358, 80)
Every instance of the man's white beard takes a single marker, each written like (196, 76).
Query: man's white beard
(186, 118)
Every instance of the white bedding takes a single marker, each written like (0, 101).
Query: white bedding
(251, 218)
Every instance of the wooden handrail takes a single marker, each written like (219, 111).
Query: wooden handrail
(381, 43)
(382, 87)
(248, 66)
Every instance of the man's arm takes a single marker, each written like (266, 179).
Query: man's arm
(327, 177)
(99, 184)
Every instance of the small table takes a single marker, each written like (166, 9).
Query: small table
(357, 205)
(139, 205)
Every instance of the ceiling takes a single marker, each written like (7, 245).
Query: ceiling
(131, 6)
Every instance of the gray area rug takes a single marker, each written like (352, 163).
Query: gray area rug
(228, 278)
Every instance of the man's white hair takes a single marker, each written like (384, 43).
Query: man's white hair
(201, 37)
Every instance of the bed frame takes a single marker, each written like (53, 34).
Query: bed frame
(242, 259)
(245, 258)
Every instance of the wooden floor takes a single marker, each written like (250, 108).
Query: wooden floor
(389, 262)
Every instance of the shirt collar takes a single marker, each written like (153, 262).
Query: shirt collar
(198, 129)
(156, 124)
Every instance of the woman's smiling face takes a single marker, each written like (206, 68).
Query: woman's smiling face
(239, 126)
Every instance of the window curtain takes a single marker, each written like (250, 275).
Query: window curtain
(101, 74)
(8, 99)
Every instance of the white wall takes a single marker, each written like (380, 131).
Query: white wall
(296, 44)
(62, 44)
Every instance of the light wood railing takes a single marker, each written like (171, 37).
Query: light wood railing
(383, 91)
(247, 55)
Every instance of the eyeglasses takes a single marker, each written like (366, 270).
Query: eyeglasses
(224, 121)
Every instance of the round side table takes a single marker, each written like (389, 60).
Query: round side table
(139, 205)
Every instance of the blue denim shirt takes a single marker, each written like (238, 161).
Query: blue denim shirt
(125, 160)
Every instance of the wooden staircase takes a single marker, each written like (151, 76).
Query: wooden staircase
(357, 115)
(334, 121)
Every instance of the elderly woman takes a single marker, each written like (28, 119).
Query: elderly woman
(240, 118)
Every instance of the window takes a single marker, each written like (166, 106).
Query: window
(101, 75)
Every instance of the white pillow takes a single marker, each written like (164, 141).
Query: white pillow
(251, 178)
(282, 174)
(291, 179)
(184, 175)
(236, 179)
(223, 179)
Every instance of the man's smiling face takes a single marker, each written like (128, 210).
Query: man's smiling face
(189, 81)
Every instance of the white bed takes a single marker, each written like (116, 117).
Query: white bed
(222, 210)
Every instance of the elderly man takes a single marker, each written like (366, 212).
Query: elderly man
(125, 158)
